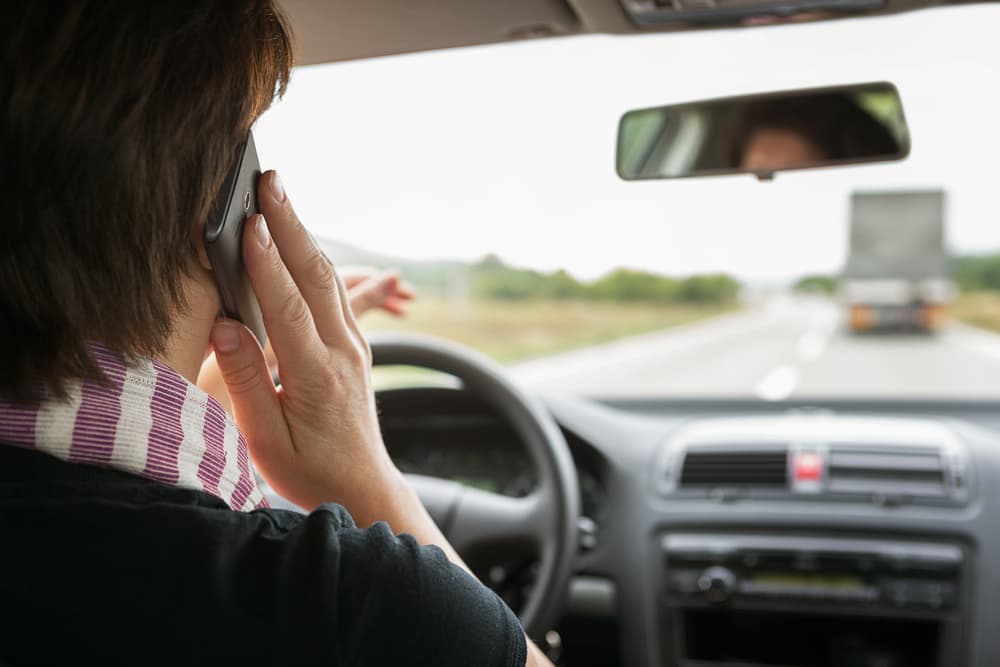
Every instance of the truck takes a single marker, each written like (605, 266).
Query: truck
(897, 275)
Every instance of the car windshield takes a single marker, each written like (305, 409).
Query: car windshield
(486, 177)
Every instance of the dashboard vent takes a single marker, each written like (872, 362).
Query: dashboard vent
(914, 472)
(734, 468)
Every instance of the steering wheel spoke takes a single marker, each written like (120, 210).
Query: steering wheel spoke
(438, 496)
(481, 518)
(472, 518)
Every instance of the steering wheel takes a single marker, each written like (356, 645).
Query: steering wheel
(546, 517)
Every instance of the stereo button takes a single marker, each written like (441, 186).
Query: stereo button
(717, 584)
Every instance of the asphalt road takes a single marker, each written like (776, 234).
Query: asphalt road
(789, 347)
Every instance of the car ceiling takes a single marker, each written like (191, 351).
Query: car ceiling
(338, 30)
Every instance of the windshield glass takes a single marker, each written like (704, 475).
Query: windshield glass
(486, 177)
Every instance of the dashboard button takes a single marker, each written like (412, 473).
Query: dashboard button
(717, 583)
(587, 529)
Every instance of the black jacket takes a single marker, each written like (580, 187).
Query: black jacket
(101, 567)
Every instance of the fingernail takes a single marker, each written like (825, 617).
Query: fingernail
(263, 234)
(226, 337)
(277, 189)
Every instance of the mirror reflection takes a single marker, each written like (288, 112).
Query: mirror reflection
(763, 134)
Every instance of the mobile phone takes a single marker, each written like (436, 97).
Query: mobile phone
(223, 238)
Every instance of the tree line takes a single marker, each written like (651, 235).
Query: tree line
(490, 278)
(971, 273)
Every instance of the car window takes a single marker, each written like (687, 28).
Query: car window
(486, 176)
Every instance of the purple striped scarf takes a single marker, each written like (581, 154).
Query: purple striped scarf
(148, 421)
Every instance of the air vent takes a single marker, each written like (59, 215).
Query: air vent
(734, 469)
(887, 471)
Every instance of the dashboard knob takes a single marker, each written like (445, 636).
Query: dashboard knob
(717, 583)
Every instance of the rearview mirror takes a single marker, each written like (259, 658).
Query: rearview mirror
(763, 134)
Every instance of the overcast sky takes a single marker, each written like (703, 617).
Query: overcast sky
(510, 149)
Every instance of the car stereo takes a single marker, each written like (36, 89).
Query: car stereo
(717, 568)
(804, 600)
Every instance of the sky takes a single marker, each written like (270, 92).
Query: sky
(510, 148)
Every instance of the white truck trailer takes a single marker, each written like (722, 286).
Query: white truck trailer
(897, 275)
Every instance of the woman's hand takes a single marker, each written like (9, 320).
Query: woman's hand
(316, 438)
(367, 290)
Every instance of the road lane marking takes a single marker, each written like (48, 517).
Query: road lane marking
(778, 384)
(812, 345)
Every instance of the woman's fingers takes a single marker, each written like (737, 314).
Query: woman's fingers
(316, 439)
(405, 291)
(395, 306)
(308, 266)
(371, 293)
(254, 398)
(287, 315)
(386, 292)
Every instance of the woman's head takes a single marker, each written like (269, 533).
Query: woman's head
(119, 120)
(777, 133)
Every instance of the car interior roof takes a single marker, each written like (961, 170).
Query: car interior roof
(339, 30)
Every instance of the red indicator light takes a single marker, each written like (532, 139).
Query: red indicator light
(807, 467)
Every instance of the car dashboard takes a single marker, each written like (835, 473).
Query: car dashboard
(747, 533)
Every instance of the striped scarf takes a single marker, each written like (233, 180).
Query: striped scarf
(147, 421)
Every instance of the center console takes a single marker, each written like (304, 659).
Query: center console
(808, 601)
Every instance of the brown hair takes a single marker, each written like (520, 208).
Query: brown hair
(119, 122)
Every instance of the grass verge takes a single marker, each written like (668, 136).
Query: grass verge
(980, 309)
(516, 330)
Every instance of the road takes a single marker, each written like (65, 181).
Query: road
(790, 347)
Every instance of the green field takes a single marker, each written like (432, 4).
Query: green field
(515, 330)
(980, 309)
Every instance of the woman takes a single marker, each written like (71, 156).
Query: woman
(135, 529)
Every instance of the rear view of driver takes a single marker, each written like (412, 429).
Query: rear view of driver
(135, 532)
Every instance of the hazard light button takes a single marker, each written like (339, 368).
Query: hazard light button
(808, 469)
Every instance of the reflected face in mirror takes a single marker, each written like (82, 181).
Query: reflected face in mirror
(769, 148)
(763, 134)
(812, 130)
